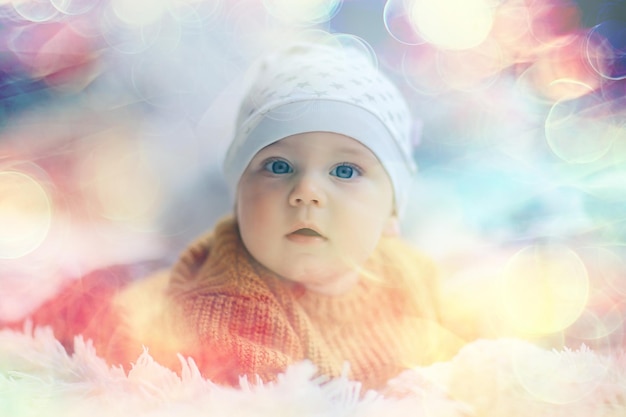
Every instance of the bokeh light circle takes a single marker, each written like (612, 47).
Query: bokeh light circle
(605, 59)
(544, 289)
(581, 131)
(35, 10)
(303, 12)
(139, 12)
(354, 42)
(397, 20)
(25, 214)
(453, 24)
(74, 7)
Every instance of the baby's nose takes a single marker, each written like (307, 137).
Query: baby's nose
(307, 190)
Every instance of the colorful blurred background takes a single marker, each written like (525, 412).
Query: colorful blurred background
(114, 116)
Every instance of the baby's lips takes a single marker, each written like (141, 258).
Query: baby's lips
(306, 229)
(307, 232)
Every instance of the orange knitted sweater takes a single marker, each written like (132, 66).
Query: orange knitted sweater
(237, 318)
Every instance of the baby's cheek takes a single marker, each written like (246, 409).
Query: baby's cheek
(358, 245)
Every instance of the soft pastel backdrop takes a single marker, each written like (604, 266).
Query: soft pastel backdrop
(114, 115)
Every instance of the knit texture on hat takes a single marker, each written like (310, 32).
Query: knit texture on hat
(313, 87)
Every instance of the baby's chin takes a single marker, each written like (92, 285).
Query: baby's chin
(326, 281)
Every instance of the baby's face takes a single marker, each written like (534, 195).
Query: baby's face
(312, 208)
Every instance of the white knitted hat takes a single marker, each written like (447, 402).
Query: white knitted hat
(311, 87)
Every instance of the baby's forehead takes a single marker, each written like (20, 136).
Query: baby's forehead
(321, 143)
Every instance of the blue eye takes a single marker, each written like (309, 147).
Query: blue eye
(278, 166)
(344, 171)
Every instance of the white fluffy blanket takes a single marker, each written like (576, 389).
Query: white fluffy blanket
(487, 378)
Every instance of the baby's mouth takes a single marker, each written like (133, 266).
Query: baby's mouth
(306, 232)
(306, 235)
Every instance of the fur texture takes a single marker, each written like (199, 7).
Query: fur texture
(487, 378)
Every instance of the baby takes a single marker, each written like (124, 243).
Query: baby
(311, 265)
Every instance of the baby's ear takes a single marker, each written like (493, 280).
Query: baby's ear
(392, 226)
